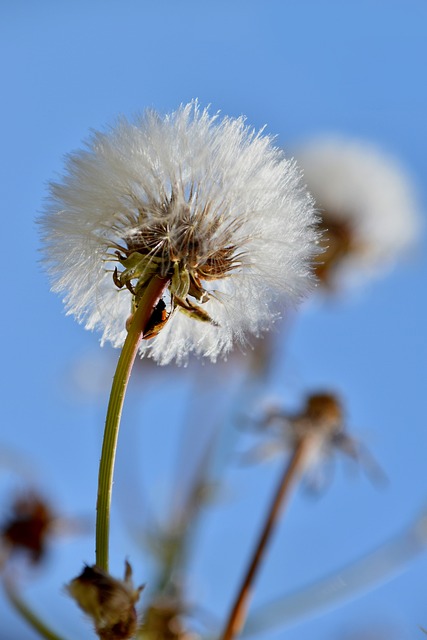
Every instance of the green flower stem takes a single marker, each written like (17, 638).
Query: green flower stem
(25, 612)
(290, 473)
(139, 321)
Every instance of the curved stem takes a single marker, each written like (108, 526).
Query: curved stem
(25, 612)
(112, 423)
(237, 615)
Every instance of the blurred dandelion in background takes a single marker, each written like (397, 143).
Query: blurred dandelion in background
(369, 212)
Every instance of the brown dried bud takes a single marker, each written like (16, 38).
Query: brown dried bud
(108, 601)
(28, 526)
(324, 410)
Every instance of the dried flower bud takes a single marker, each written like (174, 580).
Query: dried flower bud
(322, 416)
(28, 527)
(108, 601)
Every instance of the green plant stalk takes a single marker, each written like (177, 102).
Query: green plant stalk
(29, 616)
(136, 329)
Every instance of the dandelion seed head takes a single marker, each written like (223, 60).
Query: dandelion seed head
(207, 202)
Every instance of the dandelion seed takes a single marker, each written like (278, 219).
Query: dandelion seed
(369, 215)
(207, 203)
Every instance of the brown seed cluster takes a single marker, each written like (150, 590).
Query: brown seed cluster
(178, 246)
(323, 409)
(182, 230)
(321, 420)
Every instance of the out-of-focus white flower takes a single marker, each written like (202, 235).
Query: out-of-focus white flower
(208, 202)
(367, 203)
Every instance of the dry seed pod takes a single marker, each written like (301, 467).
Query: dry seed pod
(108, 601)
(28, 527)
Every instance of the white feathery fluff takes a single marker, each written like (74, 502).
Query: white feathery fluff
(165, 175)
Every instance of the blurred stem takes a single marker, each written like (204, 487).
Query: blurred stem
(289, 476)
(25, 612)
(186, 519)
(137, 326)
(348, 582)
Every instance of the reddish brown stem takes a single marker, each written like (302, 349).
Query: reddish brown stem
(238, 613)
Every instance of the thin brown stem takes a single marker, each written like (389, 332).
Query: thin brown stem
(238, 613)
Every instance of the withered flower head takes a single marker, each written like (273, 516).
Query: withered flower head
(208, 204)
(369, 214)
(108, 601)
(321, 423)
(322, 414)
(321, 419)
(28, 527)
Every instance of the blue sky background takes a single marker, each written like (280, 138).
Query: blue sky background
(302, 68)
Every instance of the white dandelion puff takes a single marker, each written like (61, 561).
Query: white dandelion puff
(367, 203)
(208, 203)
